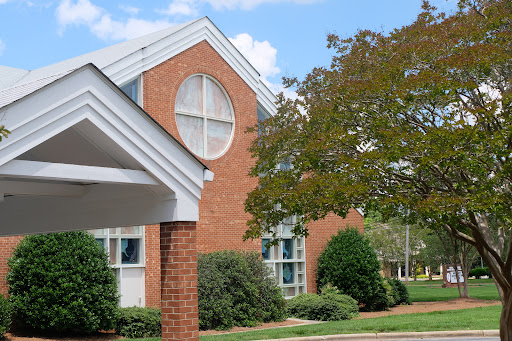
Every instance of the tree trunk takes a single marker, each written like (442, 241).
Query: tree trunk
(506, 318)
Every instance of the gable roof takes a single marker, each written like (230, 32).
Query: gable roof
(9, 76)
(80, 136)
(125, 61)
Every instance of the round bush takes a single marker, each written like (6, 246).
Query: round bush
(62, 282)
(135, 322)
(400, 292)
(326, 307)
(236, 289)
(5, 316)
(350, 263)
(478, 272)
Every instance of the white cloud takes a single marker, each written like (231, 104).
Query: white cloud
(129, 9)
(3, 2)
(181, 7)
(106, 28)
(249, 4)
(262, 56)
(190, 7)
(2, 47)
(100, 22)
(82, 12)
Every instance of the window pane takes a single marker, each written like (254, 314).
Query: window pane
(265, 253)
(288, 273)
(288, 249)
(290, 292)
(101, 242)
(189, 98)
(219, 134)
(131, 89)
(98, 232)
(191, 131)
(113, 251)
(217, 104)
(130, 230)
(130, 251)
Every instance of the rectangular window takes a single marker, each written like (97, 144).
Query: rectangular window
(265, 252)
(131, 89)
(288, 273)
(288, 249)
(130, 251)
(287, 259)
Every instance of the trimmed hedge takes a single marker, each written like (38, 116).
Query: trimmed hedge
(5, 316)
(479, 272)
(323, 307)
(135, 322)
(62, 282)
(236, 289)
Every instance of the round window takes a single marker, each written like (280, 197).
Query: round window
(204, 116)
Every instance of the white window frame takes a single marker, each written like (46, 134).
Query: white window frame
(118, 266)
(276, 263)
(139, 89)
(206, 118)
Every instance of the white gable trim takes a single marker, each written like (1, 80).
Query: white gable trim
(154, 54)
(165, 185)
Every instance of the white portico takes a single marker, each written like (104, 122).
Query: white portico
(82, 155)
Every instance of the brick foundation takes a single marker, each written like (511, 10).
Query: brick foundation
(178, 250)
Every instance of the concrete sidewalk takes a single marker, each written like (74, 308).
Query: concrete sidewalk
(395, 336)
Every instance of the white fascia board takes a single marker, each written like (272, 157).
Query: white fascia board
(267, 99)
(85, 94)
(102, 205)
(41, 189)
(147, 58)
(74, 173)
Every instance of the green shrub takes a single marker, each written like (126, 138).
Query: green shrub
(323, 307)
(382, 298)
(479, 272)
(5, 316)
(351, 264)
(135, 322)
(400, 292)
(62, 282)
(236, 289)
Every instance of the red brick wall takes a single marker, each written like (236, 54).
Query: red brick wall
(152, 268)
(7, 244)
(221, 210)
(180, 317)
(320, 233)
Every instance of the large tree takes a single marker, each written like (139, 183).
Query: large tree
(418, 119)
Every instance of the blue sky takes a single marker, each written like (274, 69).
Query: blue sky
(279, 37)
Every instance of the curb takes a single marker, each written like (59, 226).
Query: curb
(394, 336)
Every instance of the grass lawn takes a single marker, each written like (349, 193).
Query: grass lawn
(427, 291)
(419, 291)
(465, 319)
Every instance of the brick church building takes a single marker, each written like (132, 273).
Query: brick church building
(198, 87)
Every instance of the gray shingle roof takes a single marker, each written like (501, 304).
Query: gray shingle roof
(12, 94)
(100, 58)
(10, 75)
